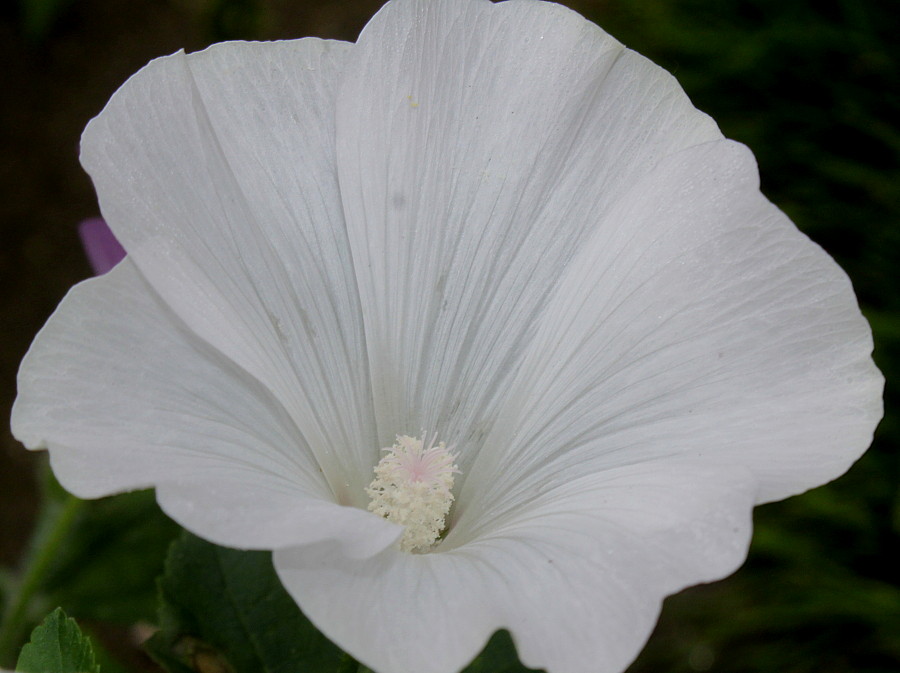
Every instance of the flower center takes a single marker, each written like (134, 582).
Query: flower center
(412, 488)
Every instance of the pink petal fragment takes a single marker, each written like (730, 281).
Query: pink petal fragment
(102, 248)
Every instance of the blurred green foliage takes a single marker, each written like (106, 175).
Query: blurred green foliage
(37, 17)
(108, 568)
(104, 567)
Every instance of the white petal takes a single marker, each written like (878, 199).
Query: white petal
(216, 171)
(125, 397)
(578, 577)
(478, 144)
(251, 509)
(698, 321)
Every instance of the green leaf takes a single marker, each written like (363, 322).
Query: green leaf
(225, 611)
(498, 656)
(57, 646)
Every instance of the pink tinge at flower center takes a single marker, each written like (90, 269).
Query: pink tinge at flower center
(412, 488)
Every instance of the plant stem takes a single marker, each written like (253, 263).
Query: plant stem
(55, 520)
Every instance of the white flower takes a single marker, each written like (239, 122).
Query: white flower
(488, 223)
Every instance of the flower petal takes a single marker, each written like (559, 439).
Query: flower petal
(101, 247)
(578, 578)
(253, 509)
(697, 322)
(216, 171)
(478, 144)
(125, 397)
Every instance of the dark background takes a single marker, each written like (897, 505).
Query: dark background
(812, 87)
